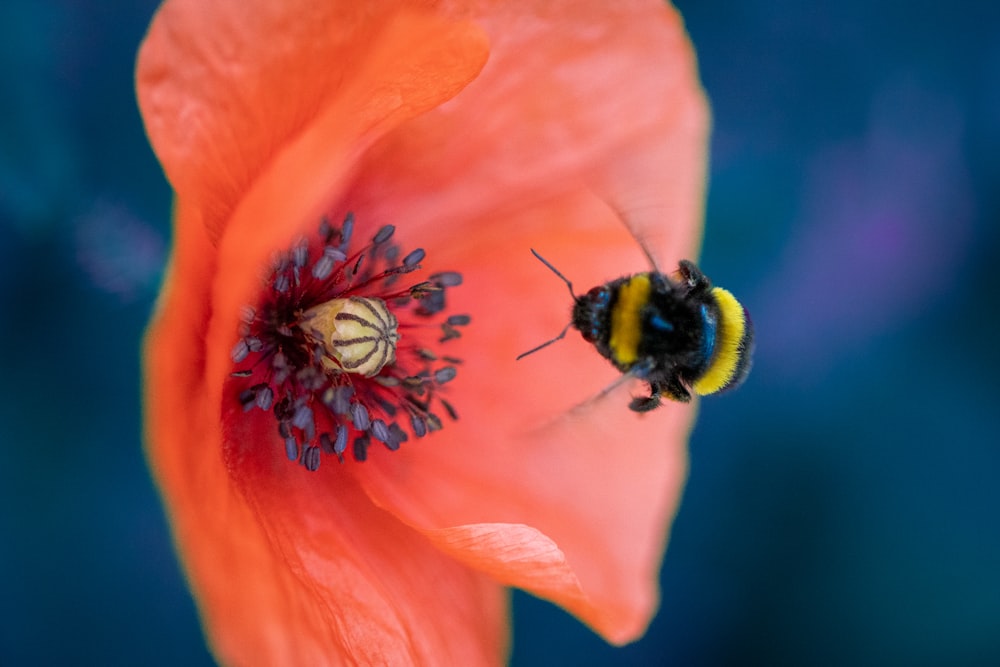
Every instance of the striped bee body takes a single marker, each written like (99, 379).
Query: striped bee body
(681, 336)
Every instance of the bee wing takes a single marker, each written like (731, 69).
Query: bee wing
(581, 408)
(635, 223)
(601, 395)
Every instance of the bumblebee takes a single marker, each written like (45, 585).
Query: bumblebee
(681, 336)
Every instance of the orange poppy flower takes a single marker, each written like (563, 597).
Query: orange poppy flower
(478, 130)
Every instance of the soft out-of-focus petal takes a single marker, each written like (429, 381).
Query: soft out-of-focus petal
(599, 483)
(303, 569)
(563, 152)
(274, 177)
(280, 112)
(576, 95)
(255, 152)
(225, 88)
(305, 180)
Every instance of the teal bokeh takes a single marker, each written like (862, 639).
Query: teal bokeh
(842, 506)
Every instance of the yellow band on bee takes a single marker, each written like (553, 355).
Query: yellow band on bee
(729, 334)
(626, 327)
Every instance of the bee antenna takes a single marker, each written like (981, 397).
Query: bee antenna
(564, 279)
(561, 335)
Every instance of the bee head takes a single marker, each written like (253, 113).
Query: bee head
(590, 312)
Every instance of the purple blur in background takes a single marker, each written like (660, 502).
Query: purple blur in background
(843, 507)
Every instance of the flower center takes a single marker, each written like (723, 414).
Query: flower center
(334, 349)
(359, 334)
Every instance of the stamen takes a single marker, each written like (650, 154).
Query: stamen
(302, 418)
(379, 430)
(419, 426)
(396, 437)
(384, 234)
(450, 410)
(359, 415)
(445, 374)
(447, 279)
(324, 350)
(361, 447)
(265, 396)
(240, 351)
(300, 253)
(339, 399)
(310, 458)
(324, 267)
(291, 448)
(346, 230)
(282, 283)
(340, 444)
(414, 258)
(326, 230)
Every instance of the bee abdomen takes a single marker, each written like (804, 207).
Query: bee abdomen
(732, 343)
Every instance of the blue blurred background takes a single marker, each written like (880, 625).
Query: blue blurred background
(842, 509)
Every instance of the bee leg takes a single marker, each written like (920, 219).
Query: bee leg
(657, 388)
(697, 281)
(646, 404)
(671, 388)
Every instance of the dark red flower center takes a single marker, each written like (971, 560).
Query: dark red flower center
(335, 348)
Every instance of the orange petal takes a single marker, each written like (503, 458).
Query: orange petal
(597, 486)
(597, 116)
(225, 89)
(550, 136)
(576, 95)
(418, 60)
(296, 568)
(292, 568)
(253, 152)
